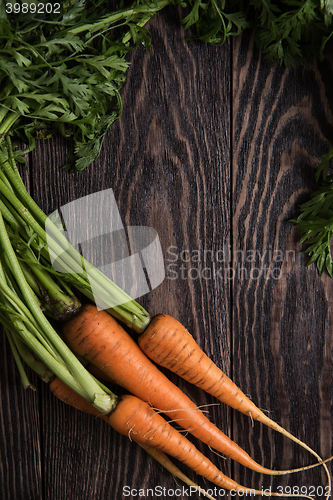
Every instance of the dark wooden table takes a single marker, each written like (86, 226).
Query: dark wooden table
(214, 150)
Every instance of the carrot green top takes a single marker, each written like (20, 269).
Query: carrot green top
(31, 290)
(23, 216)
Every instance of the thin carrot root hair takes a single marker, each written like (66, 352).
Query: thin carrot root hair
(168, 343)
(164, 460)
(132, 413)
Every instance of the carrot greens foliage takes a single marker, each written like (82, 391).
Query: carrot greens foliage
(61, 71)
(292, 32)
(315, 220)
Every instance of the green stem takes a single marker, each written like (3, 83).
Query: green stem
(5, 180)
(63, 303)
(120, 15)
(24, 378)
(89, 388)
(3, 112)
(34, 363)
(13, 298)
(128, 310)
(19, 348)
(4, 109)
(53, 364)
(34, 330)
(31, 280)
(8, 122)
(11, 216)
(11, 159)
(60, 304)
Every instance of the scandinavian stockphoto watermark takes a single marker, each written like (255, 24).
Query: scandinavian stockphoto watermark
(130, 256)
(225, 263)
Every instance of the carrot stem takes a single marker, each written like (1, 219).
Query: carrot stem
(82, 274)
(122, 14)
(22, 351)
(59, 300)
(24, 378)
(77, 377)
(8, 121)
(32, 361)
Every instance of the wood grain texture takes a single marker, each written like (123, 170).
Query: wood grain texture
(214, 150)
(282, 124)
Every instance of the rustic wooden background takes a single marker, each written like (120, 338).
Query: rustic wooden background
(214, 150)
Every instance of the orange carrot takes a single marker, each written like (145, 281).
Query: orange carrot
(167, 342)
(97, 373)
(134, 418)
(164, 460)
(67, 395)
(137, 420)
(97, 337)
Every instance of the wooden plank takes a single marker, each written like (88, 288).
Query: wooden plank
(282, 330)
(20, 464)
(163, 162)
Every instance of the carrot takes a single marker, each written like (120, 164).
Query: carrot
(136, 419)
(100, 374)
(97, 337)
(168, 343)
(164, 460)
(67, 395)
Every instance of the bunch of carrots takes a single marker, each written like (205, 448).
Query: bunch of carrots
(76, 348)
